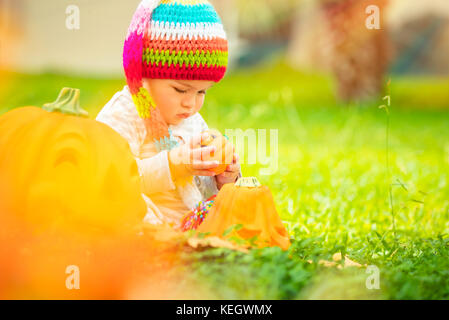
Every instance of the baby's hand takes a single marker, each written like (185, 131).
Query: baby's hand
(185, 160)
(231, 174)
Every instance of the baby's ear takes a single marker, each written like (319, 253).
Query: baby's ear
(146, 84)
(146, 81)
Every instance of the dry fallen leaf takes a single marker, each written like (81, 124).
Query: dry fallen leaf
(215, 242)
(348, 262)
(167, 234)
(337, 258)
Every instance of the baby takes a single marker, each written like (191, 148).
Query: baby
(175, 50)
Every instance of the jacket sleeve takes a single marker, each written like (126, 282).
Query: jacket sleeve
(154, 171)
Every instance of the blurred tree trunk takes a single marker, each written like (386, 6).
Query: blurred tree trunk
(309, 47)
(359, 56)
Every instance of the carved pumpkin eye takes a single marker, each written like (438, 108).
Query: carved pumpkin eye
(82, 179)
(67, 155)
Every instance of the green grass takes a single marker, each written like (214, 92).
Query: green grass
(332, 185)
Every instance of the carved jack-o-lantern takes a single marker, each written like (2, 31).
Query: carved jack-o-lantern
(59, 169)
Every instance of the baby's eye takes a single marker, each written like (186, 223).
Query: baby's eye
(202, 92)
(179, 90)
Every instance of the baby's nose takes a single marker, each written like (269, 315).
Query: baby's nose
(189, 102)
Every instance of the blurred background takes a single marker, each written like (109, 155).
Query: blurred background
(313, 36)
(314, 71)
(326, 35)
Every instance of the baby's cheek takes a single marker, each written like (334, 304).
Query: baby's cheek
(200, 101)
(171, 112)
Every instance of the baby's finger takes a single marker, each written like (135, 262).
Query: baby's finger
(232, 168)
(228, 151)
(203, 153)
(204, 165)
(227, 175)
(204, 173)
(195, 141)
(236, 158)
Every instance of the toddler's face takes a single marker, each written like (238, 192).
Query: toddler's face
(177, 99)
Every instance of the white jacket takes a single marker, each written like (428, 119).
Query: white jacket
(166, 202)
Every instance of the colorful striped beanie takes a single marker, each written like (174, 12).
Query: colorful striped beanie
(172, 39)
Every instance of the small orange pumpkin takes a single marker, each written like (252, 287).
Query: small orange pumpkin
(250, 205)
(224, 152)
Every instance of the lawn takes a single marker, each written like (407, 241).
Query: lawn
(332, 186)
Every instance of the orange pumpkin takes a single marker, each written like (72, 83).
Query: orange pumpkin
(69, 194)
(58, 168)
(224, 152)
(250, 205)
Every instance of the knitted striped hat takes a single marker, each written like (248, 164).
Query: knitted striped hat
(172, 39)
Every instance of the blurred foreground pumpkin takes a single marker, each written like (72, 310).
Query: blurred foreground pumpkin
(251, 206)
(69, 195)
(224, 151)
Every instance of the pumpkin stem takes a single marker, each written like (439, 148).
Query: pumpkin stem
(68, 102)
(250, 182)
